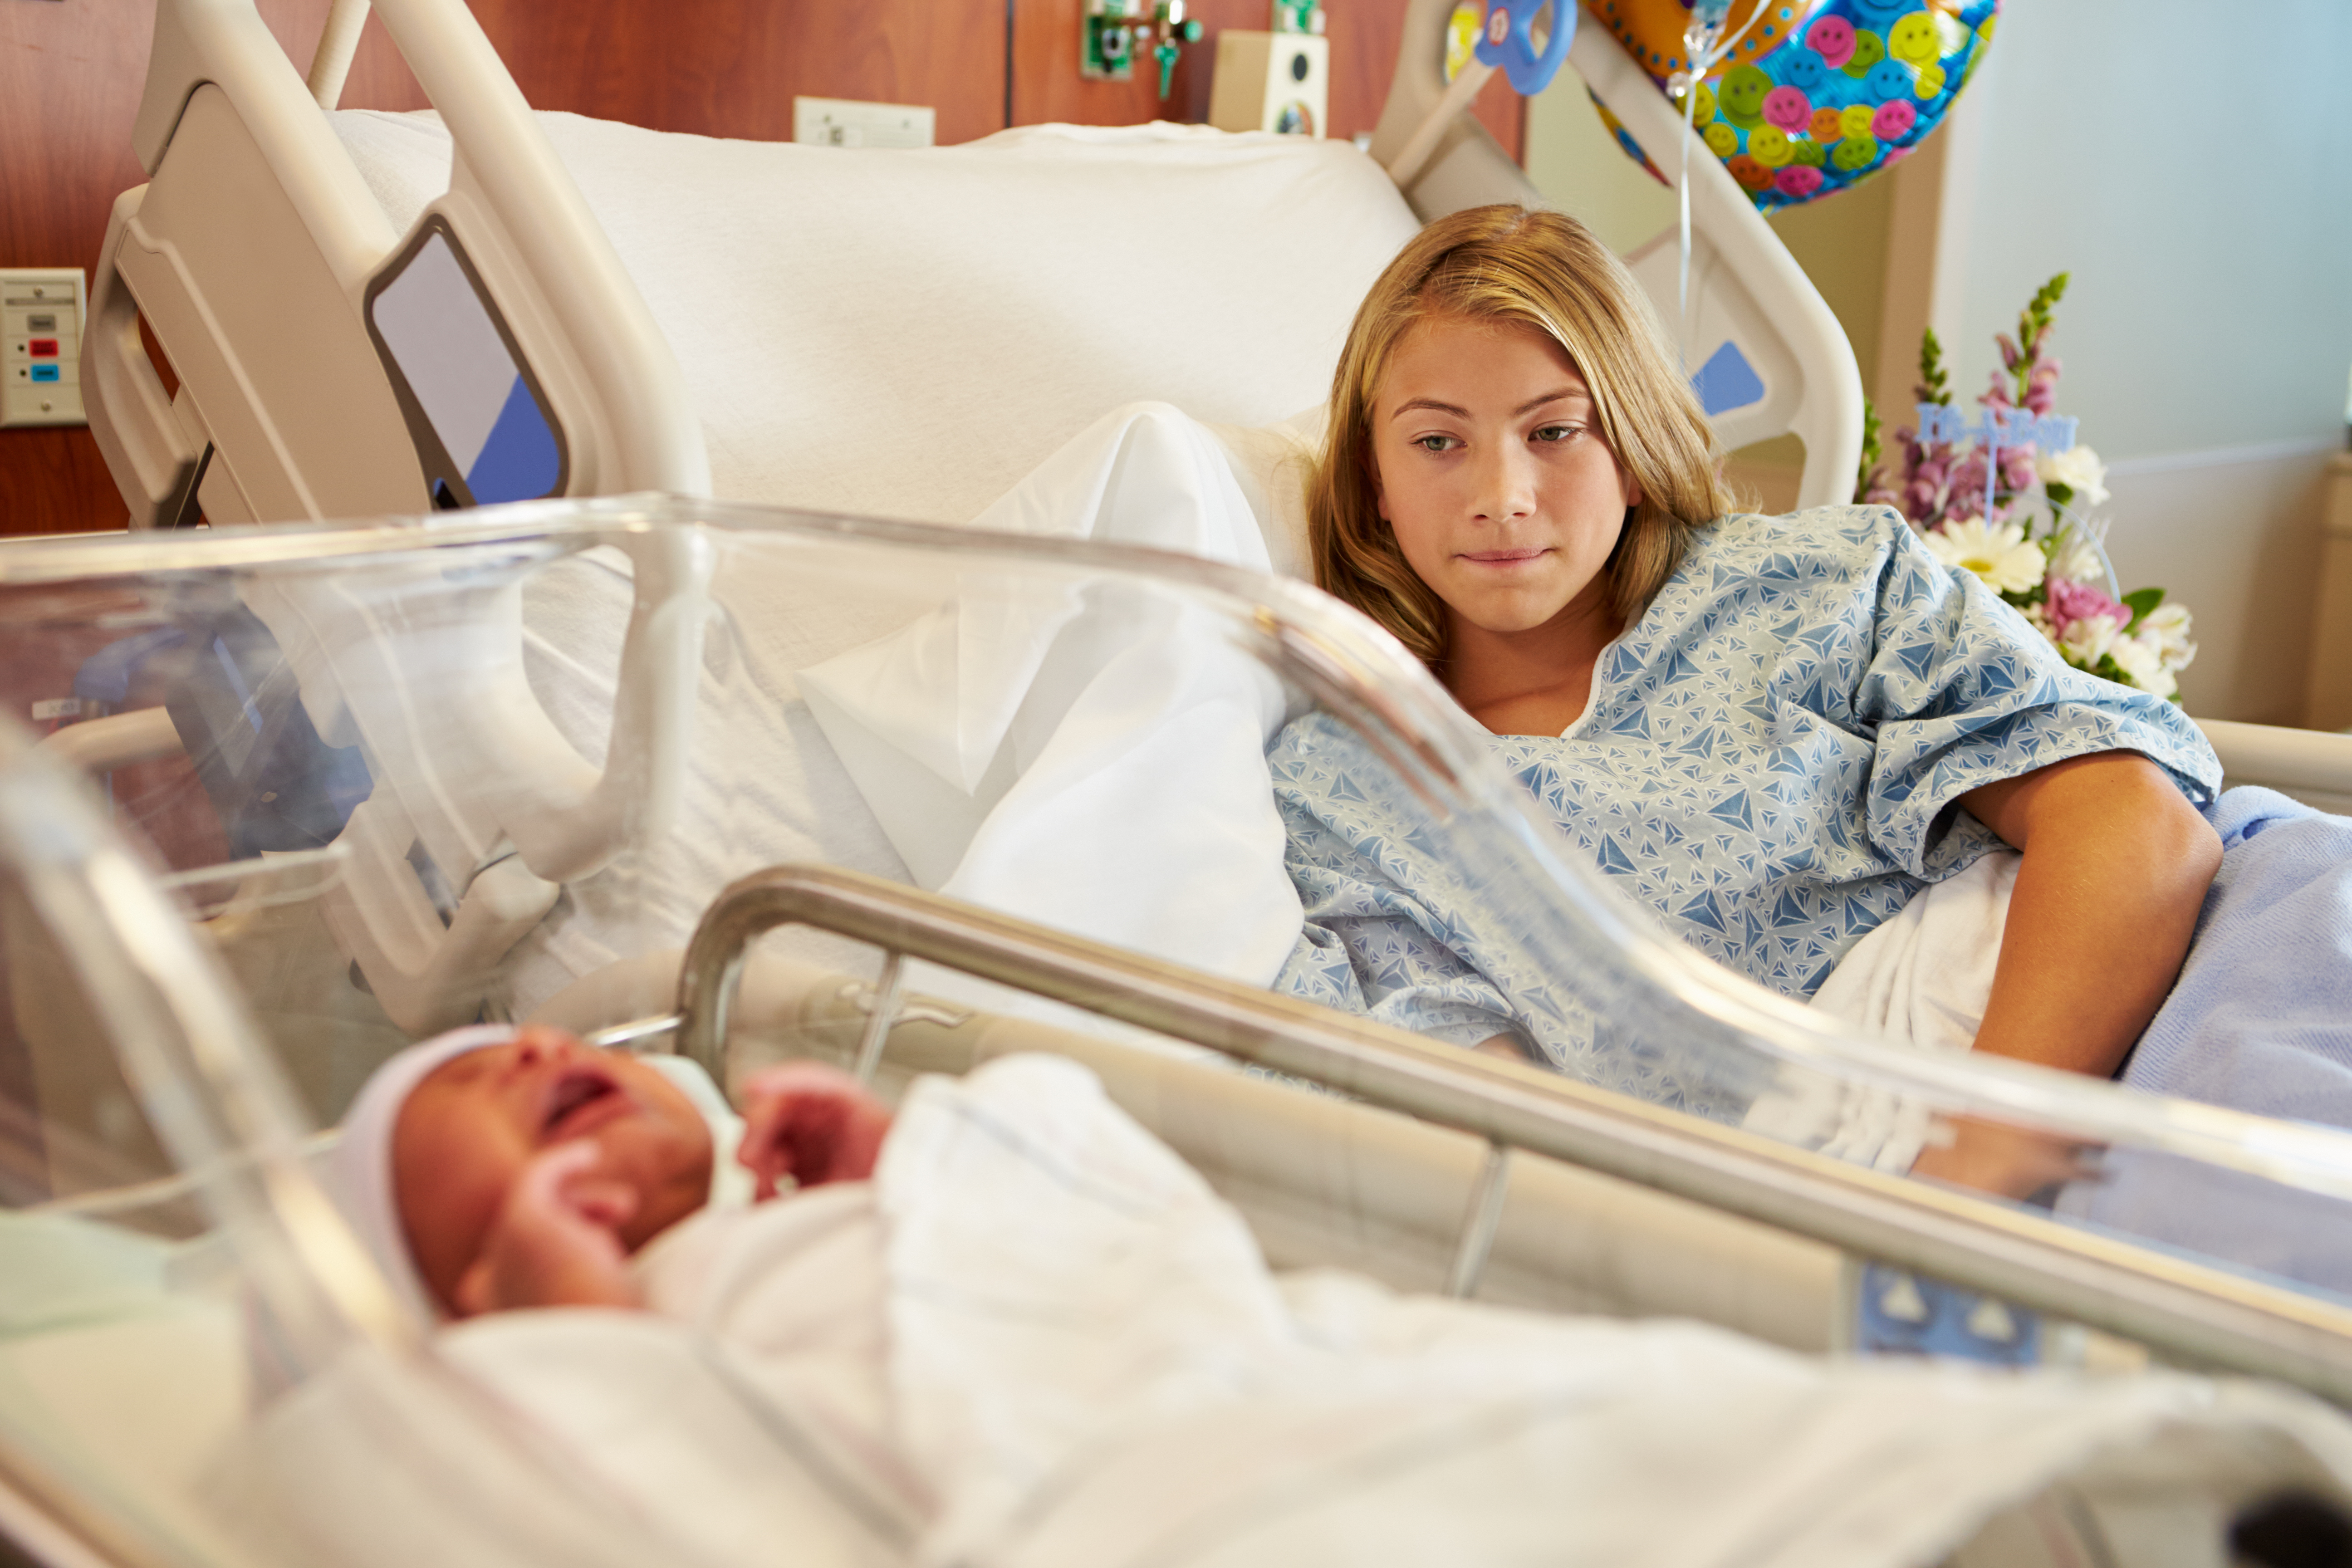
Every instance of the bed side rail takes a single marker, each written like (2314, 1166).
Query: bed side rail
(2312, 765)
(2185, 1310)
(1747, 295)
(256, 254)
(1467, 167)
(255, 248)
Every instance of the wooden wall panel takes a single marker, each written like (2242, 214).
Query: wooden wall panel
(69, 78)
(728, 68)
(71, 70)
(1047, 85)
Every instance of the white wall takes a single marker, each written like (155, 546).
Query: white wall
(2195, 189)
(2199, 191)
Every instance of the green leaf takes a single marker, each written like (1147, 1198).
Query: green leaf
(1933, 386)
(2139, 602)
(1872, 450)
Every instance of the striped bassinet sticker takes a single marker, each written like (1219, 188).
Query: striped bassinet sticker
(481, 425)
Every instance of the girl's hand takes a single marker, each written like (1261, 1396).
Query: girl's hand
(811, 1122)
(555, 1241)
(2007, 1162)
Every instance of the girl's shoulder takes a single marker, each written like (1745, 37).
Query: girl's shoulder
(1845, 536)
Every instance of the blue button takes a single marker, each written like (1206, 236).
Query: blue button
(45, 373)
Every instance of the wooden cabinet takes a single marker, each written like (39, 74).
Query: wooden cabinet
(2329, 704)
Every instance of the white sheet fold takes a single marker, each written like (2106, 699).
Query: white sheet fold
(1087, 753)
(1919, 981)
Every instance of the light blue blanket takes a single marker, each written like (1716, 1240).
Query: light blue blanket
(2261, 1020)
(2261, 1016)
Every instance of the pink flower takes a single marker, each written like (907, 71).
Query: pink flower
(2041, 391)
(1919, 502)
(2071, 601)
(1968, 476)
(2017, 470)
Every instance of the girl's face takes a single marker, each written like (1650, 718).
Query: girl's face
(1492, 472)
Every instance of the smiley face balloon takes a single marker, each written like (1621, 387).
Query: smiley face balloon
(1814, 95)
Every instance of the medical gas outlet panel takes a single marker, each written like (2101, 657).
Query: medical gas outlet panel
(40, 346)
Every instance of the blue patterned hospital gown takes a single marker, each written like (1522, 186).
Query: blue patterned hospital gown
(1770, 761)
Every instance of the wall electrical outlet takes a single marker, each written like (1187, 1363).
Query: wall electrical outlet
(848, 123)
(40, 346)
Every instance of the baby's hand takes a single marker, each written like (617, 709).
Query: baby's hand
(554, 1242)
(811, 1122)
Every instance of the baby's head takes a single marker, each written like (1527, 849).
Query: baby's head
(437, 1138)
(1516, 270)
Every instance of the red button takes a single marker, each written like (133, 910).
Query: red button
(44, 348)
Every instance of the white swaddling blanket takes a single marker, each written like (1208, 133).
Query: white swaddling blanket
(1081, 1359)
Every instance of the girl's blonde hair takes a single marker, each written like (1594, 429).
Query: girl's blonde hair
(1509, 263)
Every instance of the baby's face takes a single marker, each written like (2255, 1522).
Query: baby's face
(466, 1131)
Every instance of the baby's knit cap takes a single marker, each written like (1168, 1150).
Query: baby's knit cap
(359, 1172)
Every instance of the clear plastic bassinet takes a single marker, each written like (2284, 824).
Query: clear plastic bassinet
(308, 793)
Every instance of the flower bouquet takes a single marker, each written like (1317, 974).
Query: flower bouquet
(1971, 491)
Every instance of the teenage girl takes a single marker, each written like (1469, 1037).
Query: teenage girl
(1782, 728)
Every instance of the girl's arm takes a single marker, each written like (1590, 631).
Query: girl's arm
(2117, 865)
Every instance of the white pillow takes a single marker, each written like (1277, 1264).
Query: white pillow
(908, 333)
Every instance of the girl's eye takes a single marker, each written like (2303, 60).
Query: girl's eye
(1556, 433)
(1435, 443)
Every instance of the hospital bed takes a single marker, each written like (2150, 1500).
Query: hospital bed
(379, 315)
(179, 1023)
(501, 731)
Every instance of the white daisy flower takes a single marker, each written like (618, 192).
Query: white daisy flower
(2078, 560)
(2088, 639)
(2079, 470)
(2001, 556)
(2167, 624)
(2141, 656)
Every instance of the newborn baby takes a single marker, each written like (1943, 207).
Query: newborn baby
(1026, 1332)
(521, 1168)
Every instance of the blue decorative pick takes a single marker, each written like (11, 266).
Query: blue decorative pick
(1994, 429)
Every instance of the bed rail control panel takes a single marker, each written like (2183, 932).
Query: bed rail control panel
(40, 345)
(1897, 1312)
(481, 423)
